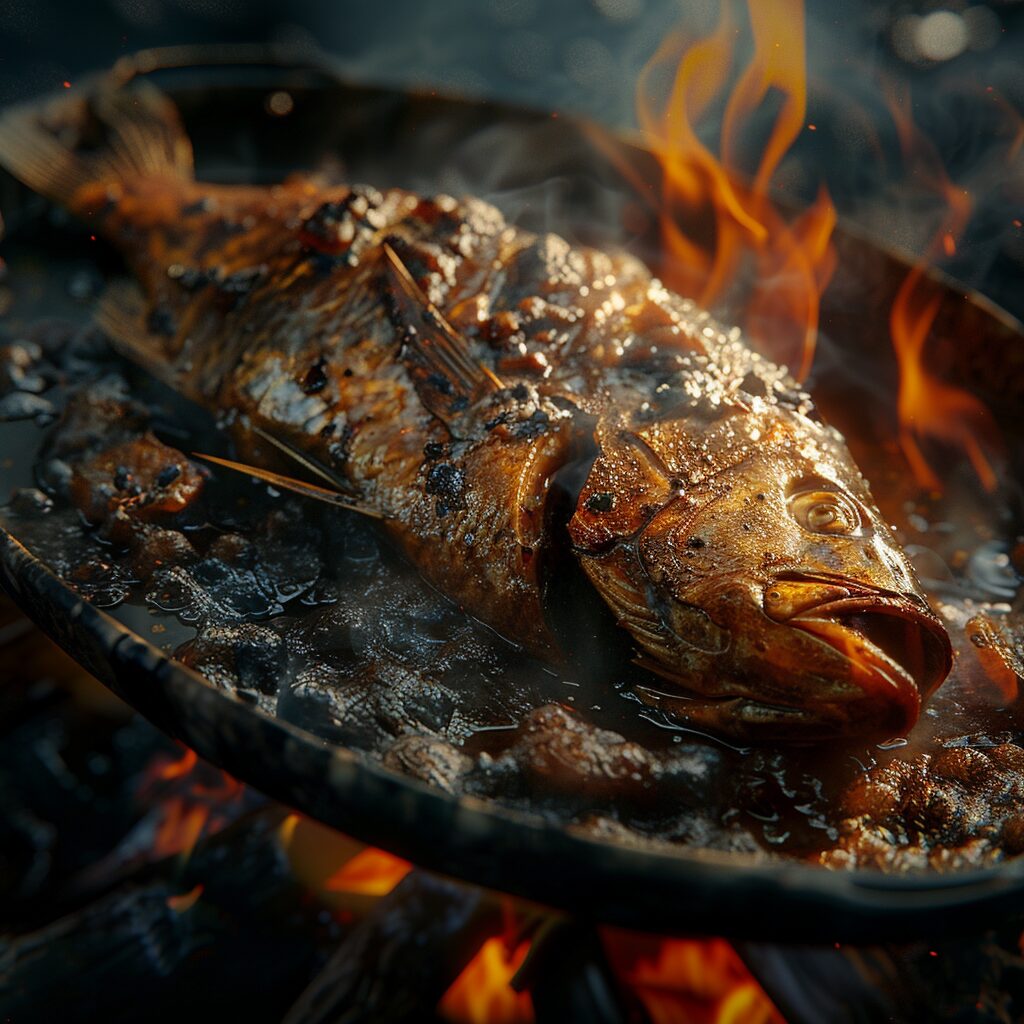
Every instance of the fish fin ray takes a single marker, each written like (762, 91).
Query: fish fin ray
(307, 462)
(300, 487)
(444, 372)
(121, 315)
(147, 134)
(143, 137)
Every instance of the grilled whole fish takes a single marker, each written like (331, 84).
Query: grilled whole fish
(528, 420)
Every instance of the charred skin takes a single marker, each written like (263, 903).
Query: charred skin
(727, 530)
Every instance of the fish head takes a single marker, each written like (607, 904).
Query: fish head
(758, 579)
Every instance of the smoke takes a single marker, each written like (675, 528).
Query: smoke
(960, 67)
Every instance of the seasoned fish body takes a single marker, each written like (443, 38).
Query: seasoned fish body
(527, 419)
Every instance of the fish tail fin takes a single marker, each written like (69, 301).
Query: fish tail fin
(63, 144)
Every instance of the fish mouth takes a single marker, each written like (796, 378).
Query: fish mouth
(895, 653)
(898, 651)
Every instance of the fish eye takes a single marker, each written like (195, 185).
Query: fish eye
(829, 512)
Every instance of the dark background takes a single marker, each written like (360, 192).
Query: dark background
(962, 63)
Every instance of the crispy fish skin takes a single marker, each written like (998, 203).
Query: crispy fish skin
(450, 373)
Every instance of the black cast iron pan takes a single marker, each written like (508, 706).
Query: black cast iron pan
(408, 139)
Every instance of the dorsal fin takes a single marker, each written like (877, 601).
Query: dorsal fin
(447, 378)
(288, 483)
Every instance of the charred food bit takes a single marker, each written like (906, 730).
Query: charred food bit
(960, 808)
(137, 480)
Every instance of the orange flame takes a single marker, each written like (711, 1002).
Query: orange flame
(689, 981)
(335, 867)
(195, 805)
(371, 872)
(482, 993)
(176, 769)
(183, 902)
(783, 266)
(180, 827)
(930, 408)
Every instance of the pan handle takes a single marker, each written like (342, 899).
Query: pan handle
(213, 55)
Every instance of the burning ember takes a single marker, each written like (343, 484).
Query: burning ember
(483, 992)
(689, 981)
(675, 980)
(191, 799)
(369, 873)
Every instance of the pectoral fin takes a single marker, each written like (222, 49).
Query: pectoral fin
(338, 491)
(300, 487)
(311, 464)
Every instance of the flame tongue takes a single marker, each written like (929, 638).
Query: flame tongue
(782, 266)
(681, 980)
(193, 799)
(930, 408)
(729, 247)
(483, 993)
